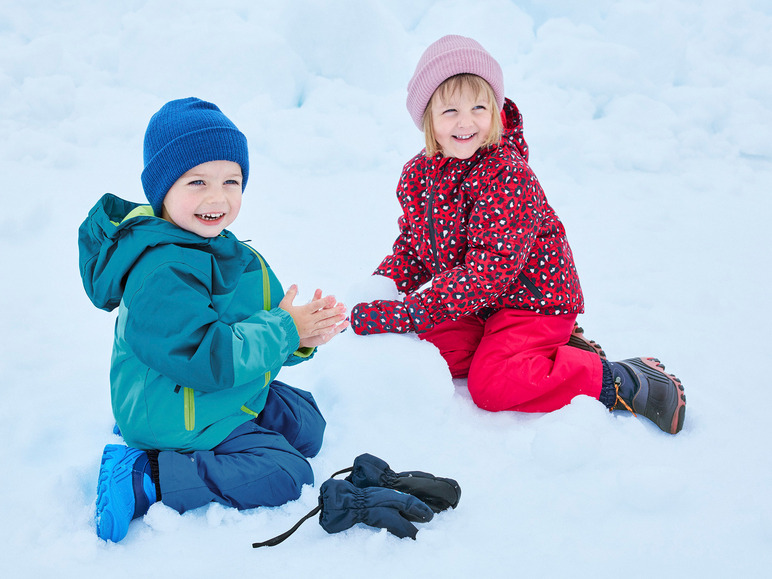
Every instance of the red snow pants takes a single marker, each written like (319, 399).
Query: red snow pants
(518, 360)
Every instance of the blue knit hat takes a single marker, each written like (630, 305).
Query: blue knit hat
(183, 134)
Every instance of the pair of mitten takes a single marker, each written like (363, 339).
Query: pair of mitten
(377, 496)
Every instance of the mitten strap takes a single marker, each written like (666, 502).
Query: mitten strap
(279, 538)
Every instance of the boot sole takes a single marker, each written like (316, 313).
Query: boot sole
(113, 514)
(580, 341)
(660, 396)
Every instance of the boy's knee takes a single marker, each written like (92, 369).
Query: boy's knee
(289, 482)
(294, 414)
(310, 445)
(274, 484)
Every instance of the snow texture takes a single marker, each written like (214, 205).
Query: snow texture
(649, 125)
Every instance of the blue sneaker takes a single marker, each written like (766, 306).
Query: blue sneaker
(125, 490)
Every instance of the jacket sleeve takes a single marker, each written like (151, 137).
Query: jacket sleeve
(501, 230)
(403, 265)
(173, 328)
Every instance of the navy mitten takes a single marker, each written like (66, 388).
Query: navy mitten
(343, 505)
(436, 492)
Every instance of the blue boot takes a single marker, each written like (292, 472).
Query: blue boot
(125, 490)
(641, 386)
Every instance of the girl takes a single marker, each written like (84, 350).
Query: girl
(504, 292)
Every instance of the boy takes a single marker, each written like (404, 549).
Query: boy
(202, 332)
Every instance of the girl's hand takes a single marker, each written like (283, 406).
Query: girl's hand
(318, 321)
(381, 316)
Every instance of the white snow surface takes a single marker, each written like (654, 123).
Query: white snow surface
(649, 125)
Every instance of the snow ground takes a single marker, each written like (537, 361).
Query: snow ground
(649, 126)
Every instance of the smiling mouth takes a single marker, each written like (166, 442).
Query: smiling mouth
(210, 216)
(463, 137)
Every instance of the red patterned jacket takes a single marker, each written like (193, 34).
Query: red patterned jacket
(482, 231)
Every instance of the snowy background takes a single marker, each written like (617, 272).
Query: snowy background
(650, 129)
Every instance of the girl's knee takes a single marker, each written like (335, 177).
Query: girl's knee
(485, 397)
(496, 390)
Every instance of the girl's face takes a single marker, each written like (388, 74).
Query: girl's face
(461, 121)
(206, 199)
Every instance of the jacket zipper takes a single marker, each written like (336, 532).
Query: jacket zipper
(190, 408)
(266, 306)
(430, 221)
(524, 279)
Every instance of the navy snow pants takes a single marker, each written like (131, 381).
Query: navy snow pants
(261, 463)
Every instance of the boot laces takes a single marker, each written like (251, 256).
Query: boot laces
(617, 382)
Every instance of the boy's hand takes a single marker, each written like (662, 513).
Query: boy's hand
(318, 321)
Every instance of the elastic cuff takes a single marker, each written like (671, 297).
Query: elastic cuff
(425, 310)
(289, 327)
(608, 394)
(155, 476)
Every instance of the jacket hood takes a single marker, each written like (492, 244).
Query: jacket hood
(513, 128)
(109, 245)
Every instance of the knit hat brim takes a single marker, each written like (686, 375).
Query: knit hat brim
(194, 148)
(449, 56)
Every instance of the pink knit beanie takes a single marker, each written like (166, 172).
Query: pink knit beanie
(449, 56)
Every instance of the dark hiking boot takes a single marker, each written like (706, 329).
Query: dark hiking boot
(579, 340)
(641, 386)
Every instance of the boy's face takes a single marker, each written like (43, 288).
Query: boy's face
(461, 122)
(206, 199)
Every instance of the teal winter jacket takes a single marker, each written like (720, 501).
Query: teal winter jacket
(199, 334)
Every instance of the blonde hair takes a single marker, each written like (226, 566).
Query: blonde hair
(451, 86)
